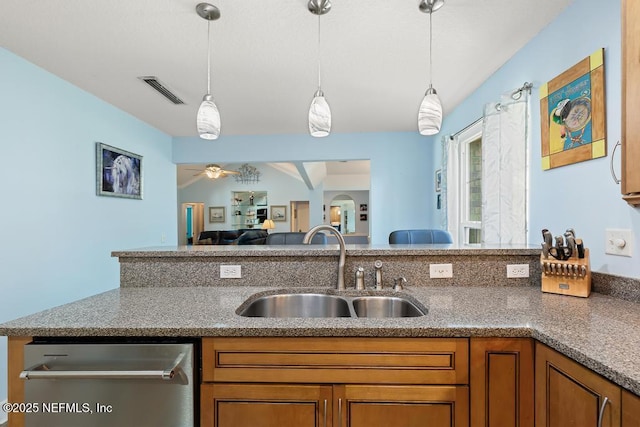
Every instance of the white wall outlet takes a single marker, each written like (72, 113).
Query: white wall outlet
(515, 271)
(230, 272)
(440, 271)
(619, 242)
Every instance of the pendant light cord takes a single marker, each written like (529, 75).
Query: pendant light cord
(430, 49)
(319, 67)
(208, 58)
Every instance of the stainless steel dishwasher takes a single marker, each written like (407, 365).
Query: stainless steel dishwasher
(109, 384)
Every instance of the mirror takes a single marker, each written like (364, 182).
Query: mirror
(295, 190)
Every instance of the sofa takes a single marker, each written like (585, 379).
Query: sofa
(246, 236)
(413, 237)
(294, 238)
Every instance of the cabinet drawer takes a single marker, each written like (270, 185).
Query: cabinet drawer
(336, 360)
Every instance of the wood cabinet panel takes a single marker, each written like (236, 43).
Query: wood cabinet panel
(630, 409)
(401, 406)
(569, 395)
(15, 385)
(259, 405)
(630, 101)
(501, 382)
(336, 360)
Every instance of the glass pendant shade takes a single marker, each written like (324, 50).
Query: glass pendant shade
(319, 116)
(430, 113)
(208, 119)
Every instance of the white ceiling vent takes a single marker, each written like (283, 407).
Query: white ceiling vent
(161, 88)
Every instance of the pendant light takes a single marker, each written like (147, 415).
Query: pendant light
(430, 113)
(208, 118)
(319, 111)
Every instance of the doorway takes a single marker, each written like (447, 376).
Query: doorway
(191, 222)
(300, 215)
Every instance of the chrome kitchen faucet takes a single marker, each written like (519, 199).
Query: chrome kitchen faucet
(343, 251)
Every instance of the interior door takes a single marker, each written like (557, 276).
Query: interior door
(300, 215)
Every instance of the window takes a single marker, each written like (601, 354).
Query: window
(472, 191)
(470, 179)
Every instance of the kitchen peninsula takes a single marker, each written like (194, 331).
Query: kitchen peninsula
(177, 292)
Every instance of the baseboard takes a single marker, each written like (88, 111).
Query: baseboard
(3, 415)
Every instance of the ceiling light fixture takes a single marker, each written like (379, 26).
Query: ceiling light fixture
(430, 113)
(319, 111)
(208, 118)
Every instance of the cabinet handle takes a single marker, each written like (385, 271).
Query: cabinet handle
(325, 413)
(339, 412)
(613, 173)
(601, 414)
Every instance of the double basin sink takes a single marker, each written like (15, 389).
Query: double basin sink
(314, 304)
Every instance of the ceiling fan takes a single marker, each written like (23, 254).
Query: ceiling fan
(214, 171)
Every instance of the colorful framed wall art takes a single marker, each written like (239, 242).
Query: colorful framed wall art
(572, 114)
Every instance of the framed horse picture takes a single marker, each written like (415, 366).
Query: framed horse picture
(118, 172)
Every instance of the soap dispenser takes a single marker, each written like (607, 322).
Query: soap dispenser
(360, 279)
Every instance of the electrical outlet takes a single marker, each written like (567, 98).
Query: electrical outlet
(517, 271)
(619, 242)
(230, 272)
(440, 271)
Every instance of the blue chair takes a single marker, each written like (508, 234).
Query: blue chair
(294, 238)
(414, 237)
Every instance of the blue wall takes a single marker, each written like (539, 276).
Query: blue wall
(56, 235)
(583, 195)
(402, 168)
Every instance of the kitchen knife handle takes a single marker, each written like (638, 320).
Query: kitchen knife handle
(580, 247)
(601, 413)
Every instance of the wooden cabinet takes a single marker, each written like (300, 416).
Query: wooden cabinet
(569, 395)
(630, 101)
(260, 405)
(356, 382)
(630, 410)
(401, 406)
(501, 382)
(292, 405)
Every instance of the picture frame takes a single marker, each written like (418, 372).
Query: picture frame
(279, 213)
(217, 214)
(118, 172)
(572, 114)
(438, 201)
(363, 217)
(438, 180)
(364, 207)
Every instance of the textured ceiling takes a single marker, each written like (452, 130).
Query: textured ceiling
(374, 56)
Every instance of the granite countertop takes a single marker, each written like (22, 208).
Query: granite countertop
(601, 332)
(316, 250)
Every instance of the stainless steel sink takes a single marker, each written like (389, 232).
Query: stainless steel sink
(297, 305)
(385, 306)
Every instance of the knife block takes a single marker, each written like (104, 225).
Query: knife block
(570, 277)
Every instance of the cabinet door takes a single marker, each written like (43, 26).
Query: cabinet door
(630, 101)
(570, 395)
(401, 406)
(253, 405)
(501, 382)
(630, 410)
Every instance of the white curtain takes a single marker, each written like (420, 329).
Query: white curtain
(450, 186)
(505, 142)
